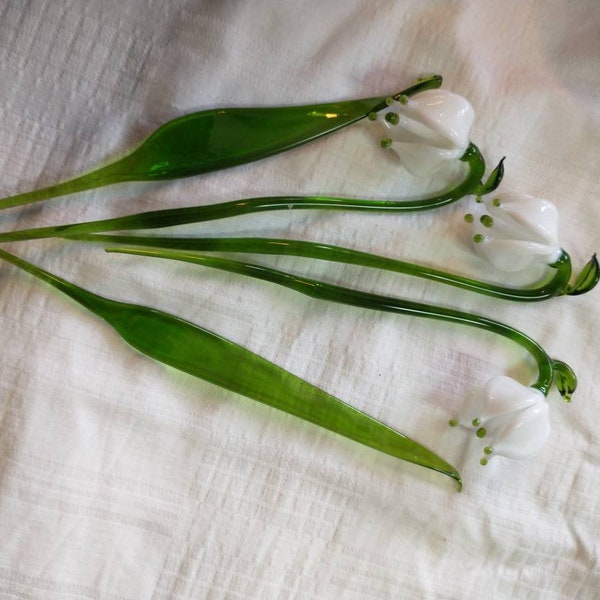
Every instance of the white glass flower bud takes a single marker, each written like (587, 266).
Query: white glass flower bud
(513, 418)
(515, 231)
(428, 129)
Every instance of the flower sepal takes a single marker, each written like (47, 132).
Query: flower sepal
(493, 181)
(586, 280)
(564, 379)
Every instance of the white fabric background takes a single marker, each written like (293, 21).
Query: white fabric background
(120, 479)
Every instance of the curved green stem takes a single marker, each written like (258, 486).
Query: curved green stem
(199, 352)
(221, 138)
(196, 214)
(334, 293)
(554, 286)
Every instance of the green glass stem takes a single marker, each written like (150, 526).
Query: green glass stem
(197, 214)
(325, 291)
(199, 352)
(220, 138)
(556, 285)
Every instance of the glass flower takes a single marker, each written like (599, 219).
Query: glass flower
(514, 418)
(219, 138)
(515, 231)
(428, 129)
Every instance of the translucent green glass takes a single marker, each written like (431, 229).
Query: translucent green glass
(199, 352)
(556, 285)
(471, 184)
(221, 138)
(548, 369)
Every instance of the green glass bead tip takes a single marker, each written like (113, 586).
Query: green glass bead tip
(201, 353)
(486, 220)
(220, 138)
(392, 118)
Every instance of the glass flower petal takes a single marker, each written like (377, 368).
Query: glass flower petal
(431, 128)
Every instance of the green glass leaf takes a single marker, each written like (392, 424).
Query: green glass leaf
(221, 138)
(587, 279)
(199, 352)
